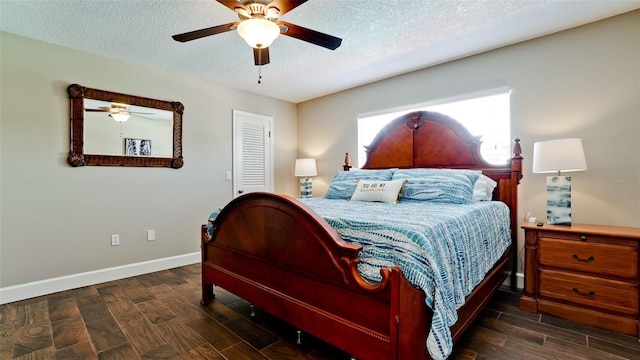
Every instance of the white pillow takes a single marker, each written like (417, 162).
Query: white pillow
(483, 188)
(377, 190)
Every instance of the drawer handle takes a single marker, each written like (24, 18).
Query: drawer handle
(575, 256)
(590, 293)
(583, 237)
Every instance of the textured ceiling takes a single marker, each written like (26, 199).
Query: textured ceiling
(381, 38)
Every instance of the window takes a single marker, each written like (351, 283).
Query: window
(485, 115)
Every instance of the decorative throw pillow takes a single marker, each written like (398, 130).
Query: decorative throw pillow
(374, 190)
(454, 186)
(344, 183)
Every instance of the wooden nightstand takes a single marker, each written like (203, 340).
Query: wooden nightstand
(584, 273)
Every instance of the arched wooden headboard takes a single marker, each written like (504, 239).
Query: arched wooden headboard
(424, 139)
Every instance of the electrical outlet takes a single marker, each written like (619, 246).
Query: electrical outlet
(115, 239)
(227, 175)
(151, 235)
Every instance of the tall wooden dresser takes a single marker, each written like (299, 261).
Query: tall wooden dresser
(584, 273)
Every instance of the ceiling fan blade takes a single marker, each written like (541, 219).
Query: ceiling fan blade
(197, 34)
(261, 56)
(285, 5)
(232, 4)
(142, 117)
(311, 36)
(98, 110)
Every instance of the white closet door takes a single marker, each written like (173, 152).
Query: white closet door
(252, 153)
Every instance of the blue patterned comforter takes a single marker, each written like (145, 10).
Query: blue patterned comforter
(443, 249)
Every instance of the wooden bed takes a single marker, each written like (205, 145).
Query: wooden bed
(274, 252)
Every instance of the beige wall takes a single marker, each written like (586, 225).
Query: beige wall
(583, 82)
(57, 220)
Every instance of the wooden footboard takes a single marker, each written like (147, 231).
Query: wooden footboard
(274, 252)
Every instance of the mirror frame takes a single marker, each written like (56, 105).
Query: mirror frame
(77, 157)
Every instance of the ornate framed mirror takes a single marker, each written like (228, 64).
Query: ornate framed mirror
(113, 129)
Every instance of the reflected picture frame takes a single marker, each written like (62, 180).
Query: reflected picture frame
(137, 147)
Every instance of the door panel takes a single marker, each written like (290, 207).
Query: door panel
(252, 153)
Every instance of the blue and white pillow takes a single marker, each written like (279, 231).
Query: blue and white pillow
(345, 182)
(453, 186)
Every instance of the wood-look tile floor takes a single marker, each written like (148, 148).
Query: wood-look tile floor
(158, 316)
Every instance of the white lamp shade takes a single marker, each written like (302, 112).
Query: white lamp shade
(258, 33)
(305, 167)
(558, 155)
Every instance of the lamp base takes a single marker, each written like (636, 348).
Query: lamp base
(306, 188)
(559, 200)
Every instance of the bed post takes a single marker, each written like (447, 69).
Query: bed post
(516, 176)
(207, 288)
(347, 162)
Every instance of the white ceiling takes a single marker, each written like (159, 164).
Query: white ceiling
(381, 38)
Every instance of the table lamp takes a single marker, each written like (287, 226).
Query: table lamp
(556, 156)
(304, 169)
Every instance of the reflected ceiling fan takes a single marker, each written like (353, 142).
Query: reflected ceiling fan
(119, 112)
(259, 26)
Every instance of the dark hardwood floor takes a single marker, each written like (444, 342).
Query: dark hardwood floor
(158, 316)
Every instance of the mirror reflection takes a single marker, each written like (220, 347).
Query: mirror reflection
(120, 129)
(115, 129)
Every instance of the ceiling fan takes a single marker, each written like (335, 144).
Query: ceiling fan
(259, 26)
(119, 112)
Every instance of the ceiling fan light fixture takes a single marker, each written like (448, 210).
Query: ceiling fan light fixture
(120, 116)
(258, 33)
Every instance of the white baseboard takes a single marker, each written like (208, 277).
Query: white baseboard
(62, 283)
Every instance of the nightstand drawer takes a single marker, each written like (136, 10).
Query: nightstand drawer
(595, 258)
(609, 295)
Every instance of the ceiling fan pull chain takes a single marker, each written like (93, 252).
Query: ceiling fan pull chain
(259, 66)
